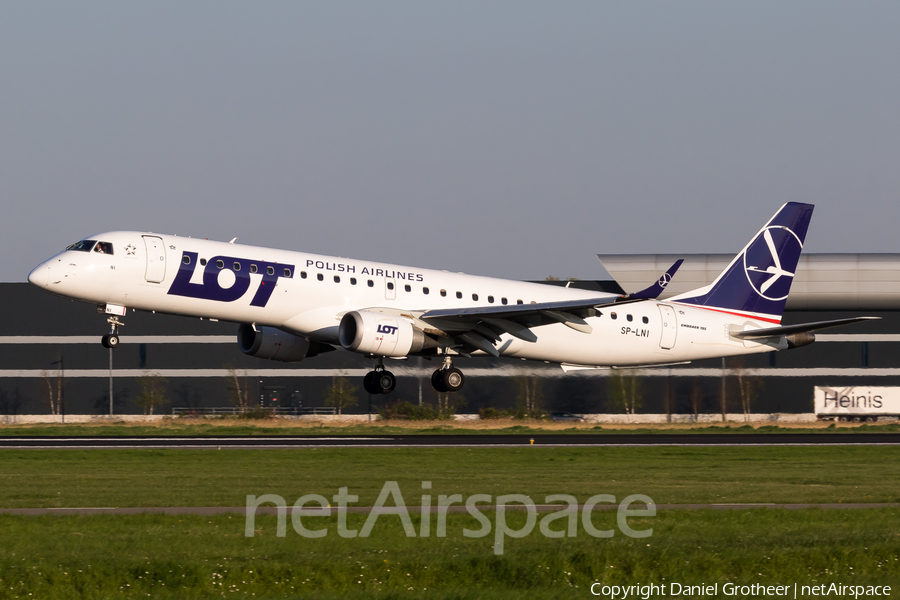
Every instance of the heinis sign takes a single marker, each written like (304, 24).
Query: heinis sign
(859, 400)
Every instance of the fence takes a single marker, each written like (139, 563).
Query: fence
(234, 410)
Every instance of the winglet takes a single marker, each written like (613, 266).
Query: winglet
(657, 288)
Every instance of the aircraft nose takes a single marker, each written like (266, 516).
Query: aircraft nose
(40, 276)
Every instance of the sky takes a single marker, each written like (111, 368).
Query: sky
(510, 139)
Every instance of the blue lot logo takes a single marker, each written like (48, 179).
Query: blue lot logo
(388, 329)
(245, 271)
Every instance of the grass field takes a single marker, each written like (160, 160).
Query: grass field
(184, 556)
(232, 426)
(669, 475)
(196, 557)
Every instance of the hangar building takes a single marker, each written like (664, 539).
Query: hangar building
(45, 340)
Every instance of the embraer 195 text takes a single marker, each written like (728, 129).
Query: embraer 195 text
(293, 305)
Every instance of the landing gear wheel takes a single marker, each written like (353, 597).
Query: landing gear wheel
(453, 379)
(370, 384)
(437, 381)
(112, 341)
(105, 341)
(386, 382)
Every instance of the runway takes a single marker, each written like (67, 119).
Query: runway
(552, 440)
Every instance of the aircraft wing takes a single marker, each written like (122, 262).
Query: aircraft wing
(481, 326)
(751, 334)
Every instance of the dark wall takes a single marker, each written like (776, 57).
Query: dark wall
(28, 311)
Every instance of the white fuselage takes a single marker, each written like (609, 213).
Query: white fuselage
(148, 272)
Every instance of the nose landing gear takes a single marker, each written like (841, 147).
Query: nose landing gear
(379, 381)
(111, 339)
(448, 378)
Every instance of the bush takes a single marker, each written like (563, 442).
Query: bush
(256, 413)
(492, 413)
(413, 412)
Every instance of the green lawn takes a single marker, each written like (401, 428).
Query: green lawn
(197, 557)
(669, 475)
(184, 556)
(264, 427)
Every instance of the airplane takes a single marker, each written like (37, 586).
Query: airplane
(293, 305)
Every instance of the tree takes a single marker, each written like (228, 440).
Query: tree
(447, 403)
(238, 388)
(153, 392)
(696, 398)
(748, 384)
(54, 392)
(342, 393)
(624, 391)
(529, 391)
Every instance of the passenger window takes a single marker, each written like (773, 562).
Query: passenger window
(287, 272)
(104, 248)
(353, 281)
(475, 297)
(237, 266)
(443, 292)
(459, 294)
(320, 277)
(503, 301)
(302, 274)
(371, 283)
(425, 290)
(645, 320)
(269, 270)
(613, 316)
(202, 262)
(390, 285)
(407, 287)
(519, 302)
(337, 279)
(491, 299)
(220, 264)
(253, 268)
(629, 318)
(186, 259)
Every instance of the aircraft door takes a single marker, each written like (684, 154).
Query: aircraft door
(390, 288)
(156, 258)
(669, 327)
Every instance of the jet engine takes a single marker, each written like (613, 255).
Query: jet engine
(369, 332)
(274, 344)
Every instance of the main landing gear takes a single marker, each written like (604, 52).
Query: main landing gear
(379, 381)
(111, 339)
(448, 378)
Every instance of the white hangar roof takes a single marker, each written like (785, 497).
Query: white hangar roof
(822, 281)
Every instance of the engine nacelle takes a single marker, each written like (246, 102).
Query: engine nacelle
(369, 332)
(275, 344)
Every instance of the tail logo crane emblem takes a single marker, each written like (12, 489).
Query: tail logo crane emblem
(762, 263)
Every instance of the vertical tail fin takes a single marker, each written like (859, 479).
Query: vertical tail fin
(757, 282)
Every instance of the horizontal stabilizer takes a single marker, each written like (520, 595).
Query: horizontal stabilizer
(752, 334)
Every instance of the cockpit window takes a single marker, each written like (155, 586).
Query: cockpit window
(104, 248)
(82, 246)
